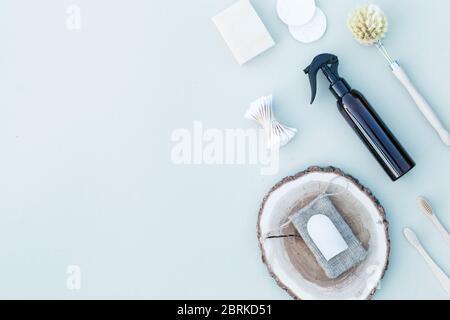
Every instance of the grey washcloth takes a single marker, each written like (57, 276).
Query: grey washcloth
(345, 260)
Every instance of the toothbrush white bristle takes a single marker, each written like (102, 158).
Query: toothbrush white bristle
(425, 205)
(368, 24)
(411, 236)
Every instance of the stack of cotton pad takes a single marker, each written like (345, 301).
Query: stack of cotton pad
(307, 23)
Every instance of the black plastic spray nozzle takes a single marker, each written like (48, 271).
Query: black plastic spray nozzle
(329, 64)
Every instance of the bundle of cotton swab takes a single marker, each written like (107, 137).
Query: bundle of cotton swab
(277, 134)
(369, 25)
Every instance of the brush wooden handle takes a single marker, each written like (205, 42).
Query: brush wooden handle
(440, 275)
(441, 228)
(423, 105)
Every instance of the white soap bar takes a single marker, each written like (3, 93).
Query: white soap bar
(313, 30)
(326, 236)
(243, 31)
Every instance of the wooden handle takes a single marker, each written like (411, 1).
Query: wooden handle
(440, 275)
(423, 105)
(441, 228)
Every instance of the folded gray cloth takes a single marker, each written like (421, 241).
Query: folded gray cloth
(345, 260)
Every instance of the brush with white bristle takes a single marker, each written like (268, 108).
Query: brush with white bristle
(369, 25)
(427, 209)
(277, 134)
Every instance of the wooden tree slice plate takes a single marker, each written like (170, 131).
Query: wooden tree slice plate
(289, 260)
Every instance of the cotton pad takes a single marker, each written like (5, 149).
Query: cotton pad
(296, 12)
(313, 30)
(243, 31)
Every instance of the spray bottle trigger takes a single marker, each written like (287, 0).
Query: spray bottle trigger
(326, 62)
(312, 82)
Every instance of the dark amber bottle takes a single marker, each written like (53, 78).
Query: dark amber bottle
(361, 116)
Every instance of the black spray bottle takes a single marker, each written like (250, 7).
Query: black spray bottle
(362, 118)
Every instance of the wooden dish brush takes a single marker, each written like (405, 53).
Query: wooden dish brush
(369, 25)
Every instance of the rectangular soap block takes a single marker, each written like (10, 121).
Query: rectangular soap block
(340, 261)
(243, 31)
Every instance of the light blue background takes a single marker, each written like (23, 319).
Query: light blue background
(85, 124)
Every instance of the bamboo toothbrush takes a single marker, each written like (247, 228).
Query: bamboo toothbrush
(369, 25)
(440, 275)
(427, 209)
